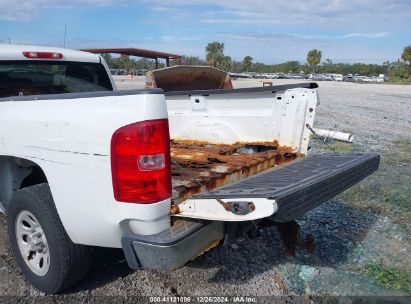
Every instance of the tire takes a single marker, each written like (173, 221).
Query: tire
(54, 262)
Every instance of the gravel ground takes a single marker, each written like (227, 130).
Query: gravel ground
(348, 236)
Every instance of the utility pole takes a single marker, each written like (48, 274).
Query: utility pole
(65, 34)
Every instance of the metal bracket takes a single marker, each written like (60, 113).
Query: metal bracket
(238, 207)
(245, 209)
(242, 207)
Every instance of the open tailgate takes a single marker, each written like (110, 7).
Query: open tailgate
(283, 193)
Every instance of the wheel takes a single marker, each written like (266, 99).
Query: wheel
(49, 260)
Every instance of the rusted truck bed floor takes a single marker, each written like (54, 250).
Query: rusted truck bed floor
(199, 167)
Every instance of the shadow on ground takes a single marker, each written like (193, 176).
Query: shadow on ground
(109, 264)
(336, 229)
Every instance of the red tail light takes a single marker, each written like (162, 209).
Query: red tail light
(140, 162)
(43, 55)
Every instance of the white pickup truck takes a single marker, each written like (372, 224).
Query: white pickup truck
(163, 175)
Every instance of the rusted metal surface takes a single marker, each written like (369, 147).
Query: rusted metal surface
(290, 233)
(238, 207)
(178, 224)
(210, 246)
(174, 209)
(199, 166)
(187, 78)
(280, 282)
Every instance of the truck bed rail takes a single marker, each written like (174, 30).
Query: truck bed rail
(304, 85)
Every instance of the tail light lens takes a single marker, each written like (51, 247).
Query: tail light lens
(140, 162)
(43, 55)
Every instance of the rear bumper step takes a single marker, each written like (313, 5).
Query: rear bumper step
(174, 247)
(302, 185)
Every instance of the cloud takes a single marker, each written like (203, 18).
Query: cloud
(268, 30)
(367, 35)
(26, 10)
(346, 15)
(182, 38)
(357, 17)
(257, 36)
(267, 36)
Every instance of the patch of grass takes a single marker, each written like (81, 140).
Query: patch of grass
(338, 147)
(395, 196)
(396, 160)
(363, 197)
(404, 145)
(389, 277)
(403, 160)
(400, 154)
(391, 200)
(387, 191)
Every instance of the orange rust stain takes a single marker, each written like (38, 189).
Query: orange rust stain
(177, 224)
(210, 246)
(190, 142)
(201, 166)
(186, 78)
(280, 281)
(175, 209)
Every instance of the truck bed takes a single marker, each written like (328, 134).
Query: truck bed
(199, 166)
(222, 136)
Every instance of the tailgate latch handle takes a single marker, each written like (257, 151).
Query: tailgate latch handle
(238, 207)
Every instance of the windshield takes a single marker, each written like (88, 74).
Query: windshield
(19, 78)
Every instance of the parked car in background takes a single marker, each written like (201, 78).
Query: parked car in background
(348, 77)
(338, 77)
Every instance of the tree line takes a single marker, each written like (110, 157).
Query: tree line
(398, 70)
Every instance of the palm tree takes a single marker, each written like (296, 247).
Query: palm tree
(214, 53)
(314, 58)
(226, 63)
(247, 63)
(406, 54)
(125, 61)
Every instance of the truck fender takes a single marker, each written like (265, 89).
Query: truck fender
(17, 173)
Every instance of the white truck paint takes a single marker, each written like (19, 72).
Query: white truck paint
(231, 118)
(211, 209)
(73, 149)
(70, 140)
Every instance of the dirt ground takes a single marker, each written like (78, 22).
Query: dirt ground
(362, 237)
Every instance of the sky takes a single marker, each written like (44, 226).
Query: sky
(369, 31)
